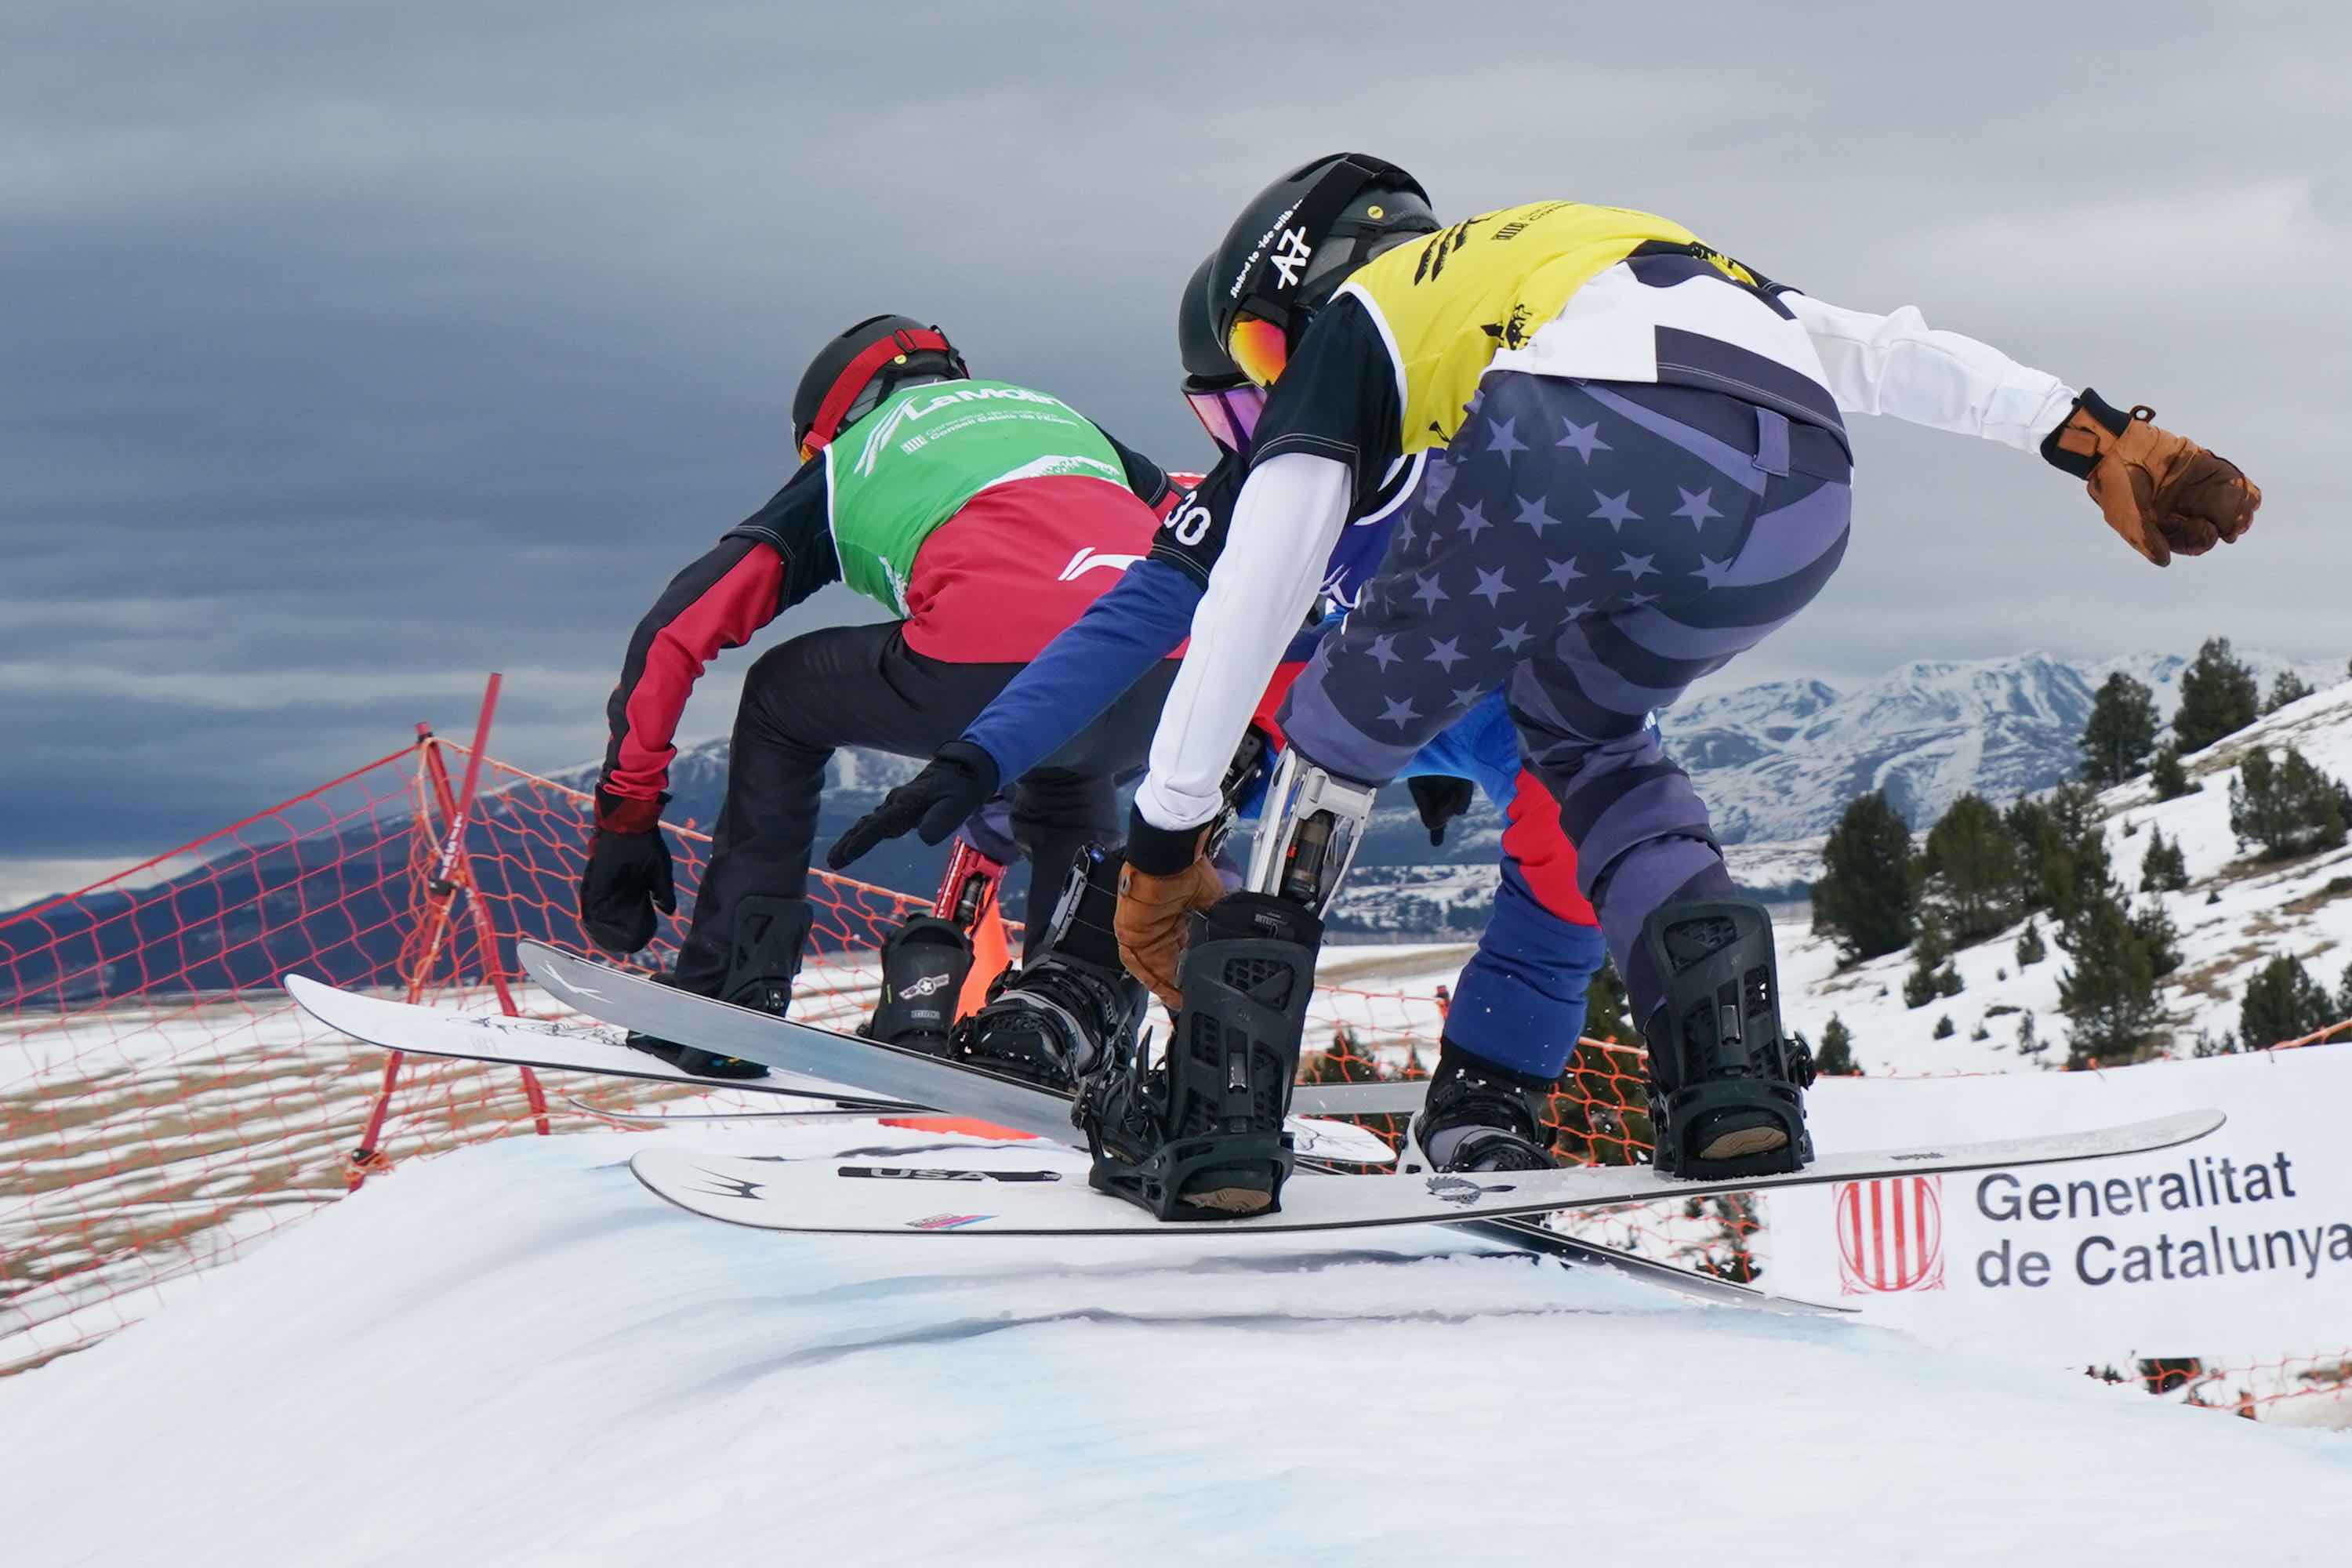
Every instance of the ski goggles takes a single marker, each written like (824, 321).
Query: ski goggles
(1259, 347)
(1229, 414)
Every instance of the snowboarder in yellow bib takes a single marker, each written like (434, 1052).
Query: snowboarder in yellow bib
(1637, 469)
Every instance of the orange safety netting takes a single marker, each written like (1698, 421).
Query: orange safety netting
(162, 1105)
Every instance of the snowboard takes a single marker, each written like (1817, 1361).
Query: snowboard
(636, 1002)
(536, 1043)
(865, 1197)
(574, 1047)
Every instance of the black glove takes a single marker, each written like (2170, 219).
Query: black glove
(1440, 800)
(628, 875)
(933, 804)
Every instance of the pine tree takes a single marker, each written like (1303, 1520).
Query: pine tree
(2030, 949)
(2120, 733)
(2288, 806)
(1835, 1059)
(2283, 1002)
(1974, 876)
(2170, 779)
(2219, 696)
(2162, 869)
(1944, 1027)
(1605, 1015)
(2109, 997)
(1867, 897)
(2285, 687)
(2029, 1042)
(2154, 930)
(2064, 847)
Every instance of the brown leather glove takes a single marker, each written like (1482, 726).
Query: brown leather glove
(1165, 877)
(2164, 493)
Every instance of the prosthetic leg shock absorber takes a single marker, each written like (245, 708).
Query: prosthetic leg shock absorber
(1201, 1135)
(924, 962)
(1072, 1004)
(1726, 1085)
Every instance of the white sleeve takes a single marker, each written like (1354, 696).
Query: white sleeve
(1287, 517)
(1898, 364)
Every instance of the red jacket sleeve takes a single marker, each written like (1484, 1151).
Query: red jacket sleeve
(717, 603)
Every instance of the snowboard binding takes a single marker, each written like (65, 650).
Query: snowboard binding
(924, 964)
(1481, 1116)
(1200, 1135)
(1072, 1004)
(764, 960)
(1726, 1083)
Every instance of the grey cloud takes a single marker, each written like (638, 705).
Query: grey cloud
(353, 352)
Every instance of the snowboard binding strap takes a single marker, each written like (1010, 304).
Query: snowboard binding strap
(1201, 1135)
(1726, 1083)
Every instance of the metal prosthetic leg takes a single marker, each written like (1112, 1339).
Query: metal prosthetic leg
(1200, 1135)
(1726, 1085)
(1073, 1004)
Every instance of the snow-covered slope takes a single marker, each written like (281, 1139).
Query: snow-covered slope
(2236, 914)
(1778, 762)
(515, 1356)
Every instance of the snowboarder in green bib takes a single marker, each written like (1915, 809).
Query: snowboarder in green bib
(985, 517)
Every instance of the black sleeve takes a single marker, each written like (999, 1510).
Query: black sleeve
(1146, 478)
(1337, 399)
(795, 524)
(1193, 535)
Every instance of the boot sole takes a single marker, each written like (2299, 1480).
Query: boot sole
(1234, 1201)
(1744, 1143)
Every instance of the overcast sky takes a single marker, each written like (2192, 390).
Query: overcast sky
(349, 351)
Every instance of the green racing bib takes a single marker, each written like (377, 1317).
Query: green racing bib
(893, 477)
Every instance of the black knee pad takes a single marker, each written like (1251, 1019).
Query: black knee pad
(765, 957)
(1719, 1057)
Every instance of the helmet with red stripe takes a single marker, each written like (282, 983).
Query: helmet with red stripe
(855, 372)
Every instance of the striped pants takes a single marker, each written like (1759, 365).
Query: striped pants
(1590, 548)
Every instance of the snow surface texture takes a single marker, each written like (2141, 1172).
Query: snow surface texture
(515, 1356)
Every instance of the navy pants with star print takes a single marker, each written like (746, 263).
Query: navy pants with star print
(1591, 547)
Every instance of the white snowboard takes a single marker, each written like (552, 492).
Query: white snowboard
(865, 1197)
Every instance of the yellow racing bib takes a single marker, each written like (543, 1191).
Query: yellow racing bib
(1447, 304)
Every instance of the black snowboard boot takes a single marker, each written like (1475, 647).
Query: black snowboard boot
(765, 961)
(924, 962)
(1073, 1004)
(1481, 1116)
(1727, 1084)
(1200, 1136)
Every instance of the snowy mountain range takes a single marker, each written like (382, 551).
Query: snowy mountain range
(1776, 761)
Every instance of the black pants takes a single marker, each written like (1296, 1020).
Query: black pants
(863, 686)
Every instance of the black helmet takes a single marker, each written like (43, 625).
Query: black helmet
(860, 368)
(1298, 239)
(1207, 366)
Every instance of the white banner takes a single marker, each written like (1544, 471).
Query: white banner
(2239, 1244)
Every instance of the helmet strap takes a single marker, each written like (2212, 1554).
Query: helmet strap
(864, 368)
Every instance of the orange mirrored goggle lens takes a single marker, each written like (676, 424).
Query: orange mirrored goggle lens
(1259, 349)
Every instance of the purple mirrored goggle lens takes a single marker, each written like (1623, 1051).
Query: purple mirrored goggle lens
(1229, 414)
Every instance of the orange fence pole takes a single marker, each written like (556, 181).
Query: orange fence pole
(463, 876)
(442, 887)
